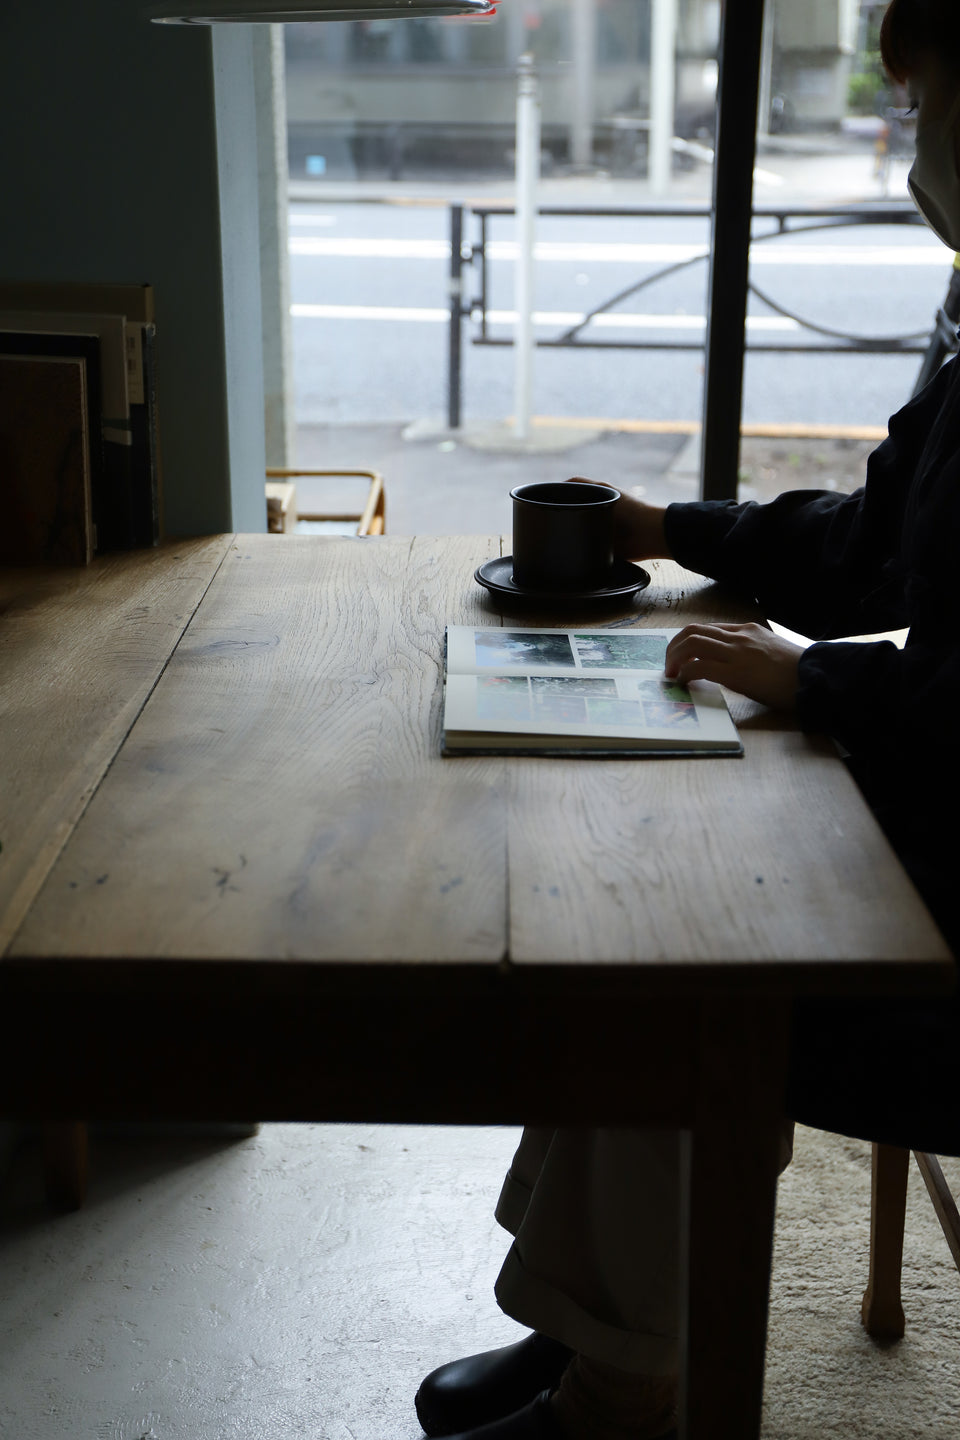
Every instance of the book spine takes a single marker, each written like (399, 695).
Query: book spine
(112, 511)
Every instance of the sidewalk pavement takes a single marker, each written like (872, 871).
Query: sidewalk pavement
(803, 170)
(439, 485)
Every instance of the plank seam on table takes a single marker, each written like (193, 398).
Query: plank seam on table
(160, 674)
(37, 882)
(175, 647)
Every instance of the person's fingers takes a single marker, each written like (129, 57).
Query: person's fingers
(638, 527)
(747, 658)
(688, 642)
(719, 627)
(701, 657)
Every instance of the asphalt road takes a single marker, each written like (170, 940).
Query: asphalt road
(370, 329)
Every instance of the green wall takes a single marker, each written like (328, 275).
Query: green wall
(128, 153)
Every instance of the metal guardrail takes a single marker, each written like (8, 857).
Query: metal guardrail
(787, 220)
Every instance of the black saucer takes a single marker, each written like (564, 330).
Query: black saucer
(497, 577)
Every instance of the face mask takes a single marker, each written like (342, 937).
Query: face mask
(933, 181)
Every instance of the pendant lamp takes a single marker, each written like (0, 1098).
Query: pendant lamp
(267, 12)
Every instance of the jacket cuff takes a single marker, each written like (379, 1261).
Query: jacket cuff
(696, 529)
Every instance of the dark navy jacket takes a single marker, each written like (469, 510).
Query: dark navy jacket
(826, 565)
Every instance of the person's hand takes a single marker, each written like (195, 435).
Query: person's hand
(747, 658)
(637, 526)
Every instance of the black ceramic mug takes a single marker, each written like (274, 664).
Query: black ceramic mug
(563, 535)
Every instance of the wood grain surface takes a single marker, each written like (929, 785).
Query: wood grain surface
(80, 652)
(282, 796)
(732, 863)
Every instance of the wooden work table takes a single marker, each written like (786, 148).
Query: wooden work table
(238, 879)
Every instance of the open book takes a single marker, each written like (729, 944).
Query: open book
(569, 692)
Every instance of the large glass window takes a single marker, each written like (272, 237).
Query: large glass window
(840, 313)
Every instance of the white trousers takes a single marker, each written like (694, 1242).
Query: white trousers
(595, 1257)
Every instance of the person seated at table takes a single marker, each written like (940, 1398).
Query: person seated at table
(592, 1270)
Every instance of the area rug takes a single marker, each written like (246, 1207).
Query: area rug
(825, 1376)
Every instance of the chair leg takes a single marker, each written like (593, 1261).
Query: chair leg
(881, 1311)
(65, 1164)
(943, 1201)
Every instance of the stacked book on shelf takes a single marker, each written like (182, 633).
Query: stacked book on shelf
(79, 448)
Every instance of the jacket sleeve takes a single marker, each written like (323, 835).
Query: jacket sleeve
(832, 565)
(881, 701)
(819, 562)
(895, 711)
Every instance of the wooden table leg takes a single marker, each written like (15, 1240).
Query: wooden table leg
(65, 1164)
(882, 1311)
(730, 1183)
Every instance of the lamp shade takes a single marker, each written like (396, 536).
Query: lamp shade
(267, 12)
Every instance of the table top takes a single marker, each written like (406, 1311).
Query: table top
(227, 751)
(238, 879)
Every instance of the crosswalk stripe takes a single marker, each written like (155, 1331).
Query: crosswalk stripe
(615, 321)
(773, 254)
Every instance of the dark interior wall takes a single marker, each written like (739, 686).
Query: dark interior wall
(128, 153)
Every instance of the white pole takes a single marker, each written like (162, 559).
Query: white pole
(269, 90)
(663, 46)
(584, 36)
(527, 175)
(766, 73)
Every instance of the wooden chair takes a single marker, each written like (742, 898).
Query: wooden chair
(371, 520)
(886, 1071)
(882, 1310)
(281, 507)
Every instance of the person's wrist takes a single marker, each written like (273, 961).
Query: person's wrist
(643, 532)
(659, 547)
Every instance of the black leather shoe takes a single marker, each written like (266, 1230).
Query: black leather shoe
(534, 1421)
(469, 1394)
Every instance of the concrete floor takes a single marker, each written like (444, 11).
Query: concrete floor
(301, 1283)
(295, 1284)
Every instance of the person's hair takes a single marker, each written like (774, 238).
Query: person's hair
(911, 28)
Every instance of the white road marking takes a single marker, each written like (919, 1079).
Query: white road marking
(365, 248)
(614, 321)
(368, 312)
(602, 252)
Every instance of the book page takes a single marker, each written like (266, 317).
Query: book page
(575, 684)
(475, 650)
